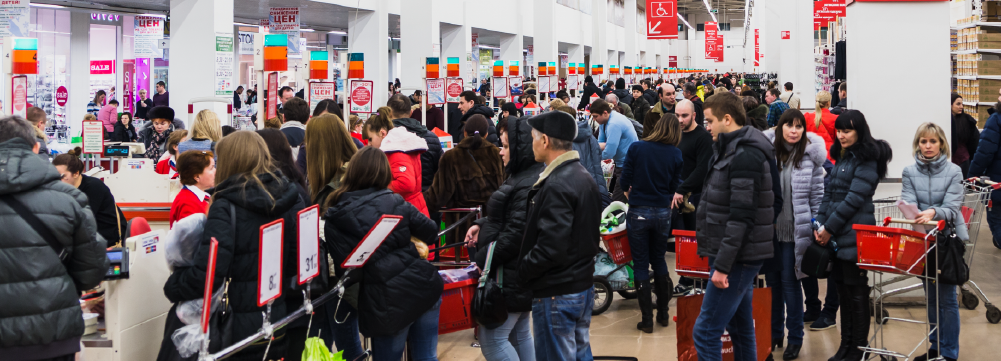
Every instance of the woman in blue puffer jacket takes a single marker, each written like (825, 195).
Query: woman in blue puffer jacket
(860, 162)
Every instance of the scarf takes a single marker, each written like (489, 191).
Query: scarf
(154, 151)
(927, 160)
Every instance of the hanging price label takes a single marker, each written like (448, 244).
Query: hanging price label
(309, 243)
(364, 250)
(269, 276)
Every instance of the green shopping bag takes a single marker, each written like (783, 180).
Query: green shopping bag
(317, 351)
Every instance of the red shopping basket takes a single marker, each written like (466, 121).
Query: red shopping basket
(686, 258)
(618, 247)
(456, 311)
(893, 250)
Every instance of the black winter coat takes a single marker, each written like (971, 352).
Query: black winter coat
(507, 211)
(640, 108)
(848, 197)
(561, 240)
(397, 286)
(651, 97)
(485, 111)
(124, 134)
(239, 254)
(625, 96)
(589, 89)
(110, 223)
(429, 159)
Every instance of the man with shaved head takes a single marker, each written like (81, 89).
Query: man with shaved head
(696, 148)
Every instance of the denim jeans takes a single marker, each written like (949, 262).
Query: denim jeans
(344, 335)
(649, 230)
(811, 290)
(994, 221)
(562, 327)
(787, 296)
(422, 336)
(948, 309)
(729, 309)
(512, 341)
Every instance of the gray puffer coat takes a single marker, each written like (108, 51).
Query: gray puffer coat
(937, 185)
(40, 309)
(807, 192)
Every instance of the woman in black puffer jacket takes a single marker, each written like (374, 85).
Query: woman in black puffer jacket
(259, 195)
(505, 224)
(398, 293)
(860, 162)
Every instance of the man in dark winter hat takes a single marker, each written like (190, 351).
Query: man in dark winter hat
(557, 252)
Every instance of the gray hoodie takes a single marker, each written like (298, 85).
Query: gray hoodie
(590, 157)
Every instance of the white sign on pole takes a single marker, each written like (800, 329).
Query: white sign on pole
(361, 96)
(246, 43)
(371, 242)
(269, 277)
(302, 50)
(436, 91)
(500, 87)
(286, 21)
(543, 84)
(309, 243)
(453, 88)
(15, 16)
(148, 32)
(554, 83)
(319, 91)
(515, 86)
(572, 82)
(224, 65)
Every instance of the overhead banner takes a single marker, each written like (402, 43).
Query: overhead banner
(757, 48)
(246, 43)
(319, 91)
(718, 53)
(15, 18)
(710, 35)
(148, 30)
(286, 21)
(661, 19)
(224, 65)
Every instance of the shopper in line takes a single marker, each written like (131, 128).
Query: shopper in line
(789, 97)
(296, 112)
(965, 135)
(640, 105)
(615, 135)
(281, 156)
(399, 295)
(589, 90)
(690, 92)
(124, 130)
(143, 105)
(843, 103)
(326, 106)
(404, 151)
(400, 108)
(648, 93)
(586, 146)
(668, 100)
(776, 106)
(251, 187)
(41, 294)
(734, 227)
(161, 98)
(36, 116)
(197, 175)
(614, 101)
(935, 186)
(154, 137)
(167, 164)
(821, 122)
(108, 115)
(696, 149)
(95, 105)
(504, 226)
(650, 177)
(800, 156)
(756, 113)
(469, 108)
(623, 93)
(468, 177)
(560, 242)
(861, 161)
(987, 162)
(205, 133)
(237, 102)
(110, 222)
(358, 129)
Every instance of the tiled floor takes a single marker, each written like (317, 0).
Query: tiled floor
(614, 332)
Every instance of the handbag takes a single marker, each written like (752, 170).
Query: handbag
(38, 226)
(489, 305)
(816, 261)
(951, 266)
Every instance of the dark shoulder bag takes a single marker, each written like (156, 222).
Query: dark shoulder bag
(950, 265)
(489, 306)
(816, 261)
(37, 225)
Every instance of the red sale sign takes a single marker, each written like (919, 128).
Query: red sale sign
(661, 19)
(785, 35)
(718, 52)
(102, 66)
(757, 48)
(711, 39)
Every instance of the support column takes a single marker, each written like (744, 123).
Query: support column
(368, 33)
(419, 31)
(871, 60)
(599, 45)
(457, 42)
(79, 80)
(630, 49)
(193, 27)
(544, 38)
(575, 55)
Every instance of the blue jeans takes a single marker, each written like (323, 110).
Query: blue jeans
(512, 341)
(562, 325)
(422, 335)
(649, 230)
(787, 296)
(948, 308)
(994, 222)
(811, 290)
(729, 309)
(345, 335)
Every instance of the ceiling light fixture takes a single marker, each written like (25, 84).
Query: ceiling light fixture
(307, 30)
(710, 10)
(338, 32)
(48, 6)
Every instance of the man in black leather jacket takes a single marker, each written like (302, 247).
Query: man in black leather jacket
(561, 240)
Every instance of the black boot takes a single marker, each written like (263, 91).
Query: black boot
(846, 324)
(859, 300)
(646, 306)
(664, 294)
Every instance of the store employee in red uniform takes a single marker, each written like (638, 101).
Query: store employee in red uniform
(197, 173)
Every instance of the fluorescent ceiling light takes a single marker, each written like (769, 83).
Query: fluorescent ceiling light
(489, 47)
(710, 10)
(48, 6)
(307, 30)
(155, 15)
(685, 21)
(243, 24)
(338, 32)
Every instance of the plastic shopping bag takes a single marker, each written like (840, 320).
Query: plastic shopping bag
(188, 339)
(316, 351)
(183, 240)
(603, 266)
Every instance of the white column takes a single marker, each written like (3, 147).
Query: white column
(544, 38)
(368, 33)
(457, 42)
(79, 80)
(871, 61)
(599, 45)
(511, 48)
(193, 28)
(795, 55)
(419, 31)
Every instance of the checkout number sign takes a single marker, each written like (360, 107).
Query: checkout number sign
(309, 243)
(269, 276)
(364, 250)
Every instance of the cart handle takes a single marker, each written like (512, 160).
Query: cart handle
(992, 184)
(940, 224)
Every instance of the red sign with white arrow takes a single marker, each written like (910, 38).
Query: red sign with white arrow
(711, 39)
(661, 19)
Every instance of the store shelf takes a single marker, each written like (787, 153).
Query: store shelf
(973, 104)
(975, 51)
(979, 23)
(970, 77)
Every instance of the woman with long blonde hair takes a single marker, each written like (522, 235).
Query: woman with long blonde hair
(821, 122)
(205, 133)
(328, 150)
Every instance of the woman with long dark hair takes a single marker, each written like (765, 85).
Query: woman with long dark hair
(281, 155)
(965, 135)
(860, 162)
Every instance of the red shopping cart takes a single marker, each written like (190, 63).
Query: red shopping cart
(687, 261)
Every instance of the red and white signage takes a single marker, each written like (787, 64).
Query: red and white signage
(757, 48)
(272, 101)
(93, 137)
(361, 96)
(476, 40)
(62, 96)
(718, 52)
(269, 267)
(453, 88)
(128, 71)
(661, 19)
(309, 243)
(19, 95)
(672, 61)
(435, 91)
(785, 35)
(364, 250)
(710, 33)
(209, 279)
(102, 66)
(319, 90)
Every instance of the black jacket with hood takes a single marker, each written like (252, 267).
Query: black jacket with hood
(589, 152)
(41, 316)
(651, 96)
(429, 159)
(485, 111)
(848, 195)
(397, 286)
(238, 255)
(589, 89)
(507, 211)
(561, 239)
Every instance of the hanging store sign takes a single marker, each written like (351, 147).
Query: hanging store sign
(62, 96)
(710, 40)
(718, 53)
(272, 100)
(757, 48)
(286, 21)
(501, 87)
(785, 35)
(15, 18)
(223, 65)
(148, 32)
(672, 61)
(102, 67)
(361, 96)
(436, 91)
(319, 91)
(453, 88)
(19, 95)
(129, 70)
(246, 43)
(661, 19)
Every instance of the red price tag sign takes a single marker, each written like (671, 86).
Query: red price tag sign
(209, 278)
(269, 276)
(309, 243)
(364, 250)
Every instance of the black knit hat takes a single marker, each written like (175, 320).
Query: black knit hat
(161, 112)
(556, 124)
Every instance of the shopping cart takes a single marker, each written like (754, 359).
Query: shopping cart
(974, 205)
(887, 250)
(614, 252)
